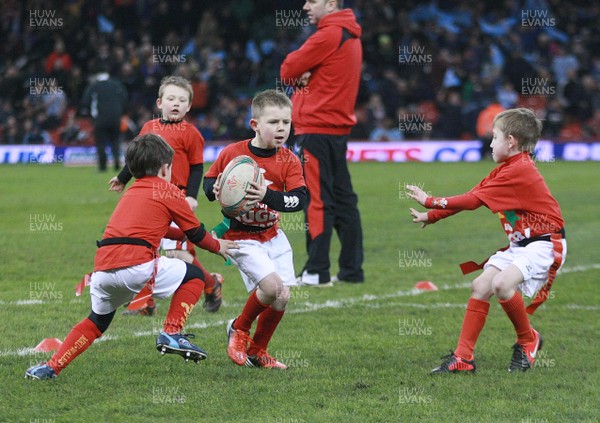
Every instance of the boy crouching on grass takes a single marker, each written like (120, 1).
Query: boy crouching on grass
(127, 259)
(533, 222)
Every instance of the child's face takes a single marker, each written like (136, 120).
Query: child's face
(174, 103)
(272, 127)
(502, 146)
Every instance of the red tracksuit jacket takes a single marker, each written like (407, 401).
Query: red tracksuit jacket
(334, 58)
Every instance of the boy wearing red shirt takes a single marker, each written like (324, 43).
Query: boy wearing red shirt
(264, 257)
(174, 100)
(127, 259)
(533, 222)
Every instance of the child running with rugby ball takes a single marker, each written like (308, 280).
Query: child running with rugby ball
(264, 257)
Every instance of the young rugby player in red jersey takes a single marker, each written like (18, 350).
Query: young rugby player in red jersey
(265, 256)
(174, 100)
(532, 220)
(127, 259)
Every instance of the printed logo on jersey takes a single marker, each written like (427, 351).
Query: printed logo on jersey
(260, 216)
(512, 217)
(291, 201)
(509, 220)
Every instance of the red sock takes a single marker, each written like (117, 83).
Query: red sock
(475, 316)
(77, 341)
(267, 323)
(182, 304)
(515, 309)
(250, 312)
(209, 280)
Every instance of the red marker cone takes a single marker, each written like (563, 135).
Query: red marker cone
(48, 344)
(141, 299)
(426, 286)
(85, 281)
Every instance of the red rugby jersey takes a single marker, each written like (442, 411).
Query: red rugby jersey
(145, 211)
(517, 192)
(281, 171)
(187, 142)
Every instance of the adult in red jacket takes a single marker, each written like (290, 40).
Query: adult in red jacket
(326, 69)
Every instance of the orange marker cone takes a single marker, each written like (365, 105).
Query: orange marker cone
(85, 281)
(426, 286)
(48, 344)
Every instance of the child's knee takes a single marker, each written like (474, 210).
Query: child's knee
(481, 288)
(283, 294)
(502, 286)
(271, 288)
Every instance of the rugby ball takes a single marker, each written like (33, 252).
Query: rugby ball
(236, 178)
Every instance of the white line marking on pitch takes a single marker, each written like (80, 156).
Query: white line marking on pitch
(306, 307)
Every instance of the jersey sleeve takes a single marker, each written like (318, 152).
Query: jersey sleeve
(195, 146)
(125, 175)
(466, 201)
(313, 52)
(218, 165)
(435, 215)
(294, 178)
(179, 209)
(211, 175)
(146, 129)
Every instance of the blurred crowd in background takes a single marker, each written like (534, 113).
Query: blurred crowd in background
(430, 69)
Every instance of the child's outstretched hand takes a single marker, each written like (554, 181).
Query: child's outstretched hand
(192, 202)
(416, 194)
(225, 246)
(115, 185)
(419, 217)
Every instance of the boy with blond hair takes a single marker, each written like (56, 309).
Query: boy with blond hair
(532, 220)
(174, 100)
(265, 256)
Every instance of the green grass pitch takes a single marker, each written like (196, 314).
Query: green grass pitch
(357, 353)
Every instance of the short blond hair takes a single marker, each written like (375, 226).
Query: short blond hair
(178, 81)
(522, 124)
(269, 98)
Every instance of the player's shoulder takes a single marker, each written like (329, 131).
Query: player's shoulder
(190, 127)
(236, 148)
(149, 126)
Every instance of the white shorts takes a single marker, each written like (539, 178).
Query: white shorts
(256, 259)
(533, 260)
(171, 244)
(111, 289)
